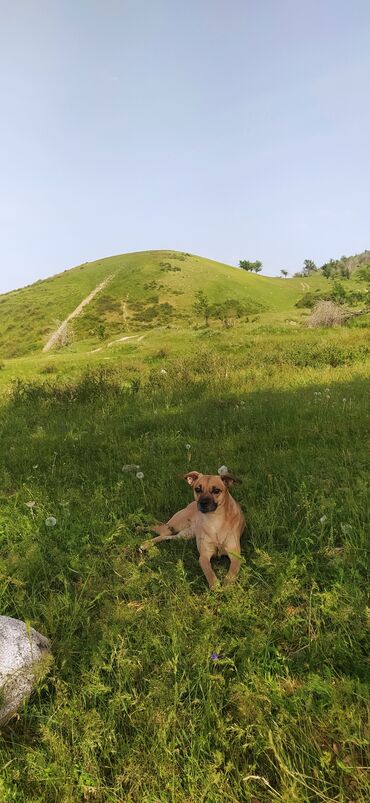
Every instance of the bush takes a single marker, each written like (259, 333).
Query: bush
(167, 267)
(327, 313)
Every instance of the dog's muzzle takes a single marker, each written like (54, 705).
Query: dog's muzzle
(206, 505)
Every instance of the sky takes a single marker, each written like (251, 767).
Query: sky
(232, 129)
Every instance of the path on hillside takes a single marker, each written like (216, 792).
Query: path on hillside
(61, 330)
(138, 339)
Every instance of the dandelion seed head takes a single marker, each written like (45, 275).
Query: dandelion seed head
(140, 475)
(222, 470)
(50, 521)
(187, 446)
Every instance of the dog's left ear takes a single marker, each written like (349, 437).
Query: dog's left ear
(229, 479)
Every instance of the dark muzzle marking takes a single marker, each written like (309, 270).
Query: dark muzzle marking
(206, 505)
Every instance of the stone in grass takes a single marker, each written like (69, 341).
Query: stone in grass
(24, 659)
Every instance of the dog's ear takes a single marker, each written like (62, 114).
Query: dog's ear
(191, 477)
(229, 479)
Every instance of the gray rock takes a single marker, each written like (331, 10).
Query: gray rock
(24, 659)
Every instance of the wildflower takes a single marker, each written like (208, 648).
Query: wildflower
(214, 656)
(222, 470)
(163, 371)
(50, 521)
(323, 519)
(140, 475)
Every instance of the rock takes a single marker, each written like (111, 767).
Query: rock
(24, 658)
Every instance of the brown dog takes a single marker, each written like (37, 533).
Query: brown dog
(215, 519)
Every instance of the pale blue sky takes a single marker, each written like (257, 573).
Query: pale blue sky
(228, 128)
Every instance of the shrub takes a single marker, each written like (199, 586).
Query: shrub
(327, 313)
(49, 368)
(166, 266)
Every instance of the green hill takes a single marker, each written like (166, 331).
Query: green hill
(144, 290)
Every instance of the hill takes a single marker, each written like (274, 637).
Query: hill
(132, 293)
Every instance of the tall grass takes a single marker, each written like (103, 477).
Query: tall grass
(161, 690)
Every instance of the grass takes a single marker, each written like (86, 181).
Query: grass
(135, 708)
(144, 295)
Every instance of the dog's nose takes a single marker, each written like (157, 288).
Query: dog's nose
(205, 503)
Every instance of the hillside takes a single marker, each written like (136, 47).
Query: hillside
(142, 291)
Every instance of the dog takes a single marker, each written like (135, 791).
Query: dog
(215, 519)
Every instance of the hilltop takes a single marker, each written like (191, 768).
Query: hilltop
(121, 296)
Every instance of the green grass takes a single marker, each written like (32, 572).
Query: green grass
(133, 300)
(134, 707)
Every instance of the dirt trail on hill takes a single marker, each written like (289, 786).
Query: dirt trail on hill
(58, 334)
(138, 339)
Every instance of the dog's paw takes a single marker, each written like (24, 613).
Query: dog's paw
(144, 546)
(216, 587)
(229, 581)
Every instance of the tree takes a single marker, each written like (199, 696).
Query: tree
(338, 293)
(284, 273)
(344, 270)
(326, 270)
(309, 267)
(256, 266)
(201, 306)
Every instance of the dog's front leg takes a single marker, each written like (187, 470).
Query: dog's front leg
(235, 563)
(168, 535)
(205, 565)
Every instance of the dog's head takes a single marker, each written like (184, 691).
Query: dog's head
(210, 490)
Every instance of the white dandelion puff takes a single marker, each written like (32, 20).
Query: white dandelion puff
(140, 475)
(222, 470)
(50, 521)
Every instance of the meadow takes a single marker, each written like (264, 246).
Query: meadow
(161, 690)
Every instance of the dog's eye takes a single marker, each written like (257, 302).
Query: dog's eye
(216, 491)
(198, 490)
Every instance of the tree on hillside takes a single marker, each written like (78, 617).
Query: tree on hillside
(327, 270)
(308, 267)
(202, 306)
(338, 293)
(256, 266)
(344, 270)
(284, 273)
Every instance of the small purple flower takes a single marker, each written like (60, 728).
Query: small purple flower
(214, 656)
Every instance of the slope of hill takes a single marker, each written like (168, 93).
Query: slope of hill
(144, 290)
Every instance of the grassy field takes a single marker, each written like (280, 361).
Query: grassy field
(135, 707)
